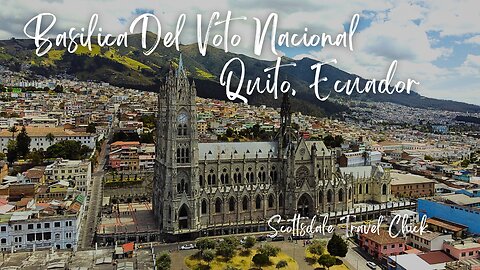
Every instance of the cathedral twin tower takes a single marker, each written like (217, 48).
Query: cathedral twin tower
(234, 187)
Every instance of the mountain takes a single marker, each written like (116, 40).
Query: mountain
(129, 67)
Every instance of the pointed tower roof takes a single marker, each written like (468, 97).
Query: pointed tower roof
(180, 69)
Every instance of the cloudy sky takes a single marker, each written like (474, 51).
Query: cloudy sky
(435, 42)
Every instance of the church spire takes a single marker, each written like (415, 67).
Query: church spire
(180, 69)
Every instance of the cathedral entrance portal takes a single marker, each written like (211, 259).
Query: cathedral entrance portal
(305, 205)
(183, 217)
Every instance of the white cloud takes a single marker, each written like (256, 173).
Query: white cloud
(473, 40)
(398, 30)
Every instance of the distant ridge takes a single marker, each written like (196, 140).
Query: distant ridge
(129, 67)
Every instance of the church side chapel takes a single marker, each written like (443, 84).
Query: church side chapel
(234, 187)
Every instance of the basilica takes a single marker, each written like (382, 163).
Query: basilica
(234, 187)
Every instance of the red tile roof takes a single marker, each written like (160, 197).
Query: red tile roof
(383, 237)
(435, 257)
(128, 247)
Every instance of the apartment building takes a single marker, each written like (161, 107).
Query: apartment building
(40, 140)
(77, 171)
(42, 225)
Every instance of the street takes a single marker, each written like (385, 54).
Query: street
(93, 203)
(354, 260)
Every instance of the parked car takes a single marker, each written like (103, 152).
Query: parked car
(187, 247)
(372, 265)
(278, 238)
(261, 238)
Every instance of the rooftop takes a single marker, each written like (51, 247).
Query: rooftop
(406, 179)
(464, 244)
(427, 235)
(383, 237)
(411, 262)
(436, 257)
(454, 227)
(460, 199)
(43, 131)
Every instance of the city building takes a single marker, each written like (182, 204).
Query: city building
(428, 240)
(78, 172)
(229, 187)
(464, 249)
(359, 158)
(407, 262)
(131, 156)
(41, 140)
(42, 225)
(381, 245)
(3, 169)
(447, 210)
(411, 186)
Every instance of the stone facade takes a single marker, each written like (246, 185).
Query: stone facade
(209, 188)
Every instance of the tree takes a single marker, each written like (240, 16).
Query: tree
(208, 256)
(204, 244)
(23, 142)
(269, 250)
(67, 150)
(91, 128)
(146, 137)
(333, 142)
(12, 151)
(465, 163)
(36, 157)
(164, 261)
(327, 260)
(260, 259)
(232, 241)
(337, 246)
(225, 250)
(249, 242)
(317, 248)
(281, 264)
(229, 132)
(13, 130)
(50, 137)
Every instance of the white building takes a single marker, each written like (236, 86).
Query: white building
(40, 140)
(78, 171)
(428, 241)
(39, 227)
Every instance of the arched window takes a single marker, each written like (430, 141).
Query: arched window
(384, 189)
(280, 200)
(258, 202)
(231, 204)
(218, 205)
(182, 186)
(329, 196)
(340, 195)
(349, 193)
(183, 154)
(274, 176)
(200, 180)
(366, 188)
(271, 201)
(182, 130)
(320, 196)
(204, 207)
(245, 203)
(360, 189)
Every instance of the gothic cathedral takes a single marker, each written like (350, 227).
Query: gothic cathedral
(232, 187)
